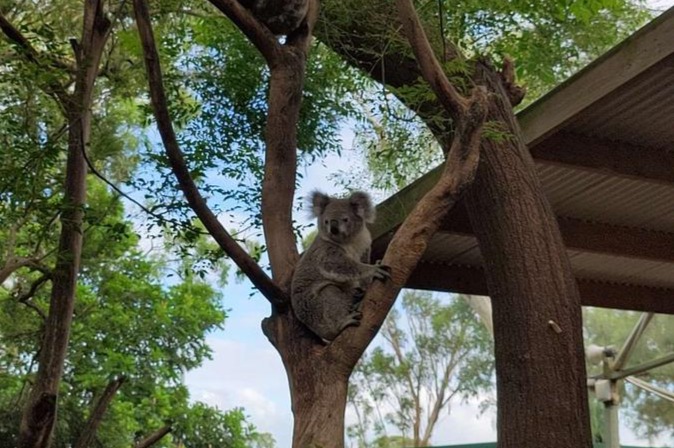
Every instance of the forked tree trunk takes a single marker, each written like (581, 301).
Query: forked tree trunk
(542, 395)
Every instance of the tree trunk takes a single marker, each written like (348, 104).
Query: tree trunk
(318, 395)
(39, 415)
(540, 367)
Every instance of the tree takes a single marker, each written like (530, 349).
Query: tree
(507, 208)
(432, 352)
(132, 340)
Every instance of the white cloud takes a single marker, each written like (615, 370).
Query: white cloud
(465, 424)
(248, 375)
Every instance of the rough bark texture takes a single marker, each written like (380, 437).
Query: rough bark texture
(40, 413)
(541, 379)
(318, 404)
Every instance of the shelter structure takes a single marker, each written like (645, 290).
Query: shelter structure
(603, 145)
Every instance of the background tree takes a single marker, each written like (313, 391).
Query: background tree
(126, 324)
(431, 351)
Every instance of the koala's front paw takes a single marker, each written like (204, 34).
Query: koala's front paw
(352, 319)
(383, 272)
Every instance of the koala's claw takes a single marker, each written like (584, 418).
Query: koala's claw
(383, 271)
(352, 319)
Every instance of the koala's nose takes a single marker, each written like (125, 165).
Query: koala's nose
(334, 226)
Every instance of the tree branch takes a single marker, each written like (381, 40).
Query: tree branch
(410, 241)
(154, 437)
(263, 39)
(39, 415)
(28, 51)
(12, 266)
(25, 298)
(196, 201)
(91, 427)
(431, 70)
(53, 87)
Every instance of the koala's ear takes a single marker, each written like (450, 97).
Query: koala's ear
(318, 203)
(362, 206)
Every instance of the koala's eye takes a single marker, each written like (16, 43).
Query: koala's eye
(345, 219)
(327, 221)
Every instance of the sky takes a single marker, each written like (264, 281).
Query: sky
(247, 372)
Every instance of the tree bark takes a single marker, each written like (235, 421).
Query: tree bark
(318, 394)
(541, 378)
(39, 415)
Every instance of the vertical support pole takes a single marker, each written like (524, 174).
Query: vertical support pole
(611, 422)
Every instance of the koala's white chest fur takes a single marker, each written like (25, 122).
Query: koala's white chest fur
(359, 245)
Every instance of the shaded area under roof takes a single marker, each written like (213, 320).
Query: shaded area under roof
(603, 144)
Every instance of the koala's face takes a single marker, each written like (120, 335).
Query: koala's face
(339, 222)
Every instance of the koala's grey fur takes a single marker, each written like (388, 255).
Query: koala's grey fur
(282, 17)
(331, 277)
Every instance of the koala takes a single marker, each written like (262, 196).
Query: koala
(282, 17)
(331, 277)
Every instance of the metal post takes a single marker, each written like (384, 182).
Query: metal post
(610, 433)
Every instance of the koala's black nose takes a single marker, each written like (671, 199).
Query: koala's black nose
(334, 226)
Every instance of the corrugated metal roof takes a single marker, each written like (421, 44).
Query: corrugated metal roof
(600, 197)
(640, 112)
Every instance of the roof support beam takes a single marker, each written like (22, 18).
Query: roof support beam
(471, 280)
(591, 237)
(607, 157)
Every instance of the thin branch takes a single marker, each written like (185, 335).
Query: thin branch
(196, 201)
(34, 287)
(53, 88)
(431, 70)
(263, 39)
(154, 437)
(93, 422)
(410, 241)
(28, 51)
(119, 191)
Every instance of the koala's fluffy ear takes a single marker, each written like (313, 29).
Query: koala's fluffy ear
(318, 203)
(362, 206)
